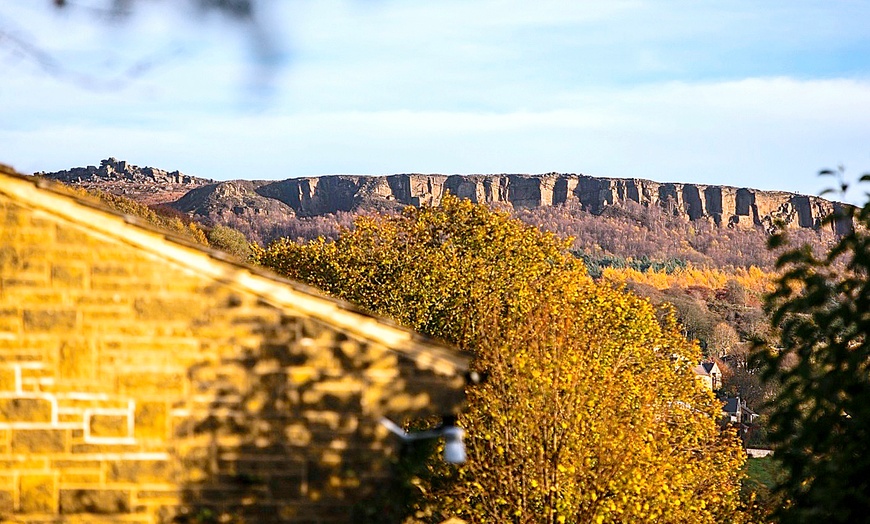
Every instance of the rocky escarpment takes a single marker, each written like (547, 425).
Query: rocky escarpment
(723, 205)
(148, 185)
(265, 207)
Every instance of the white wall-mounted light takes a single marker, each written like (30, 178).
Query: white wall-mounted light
(454, 446)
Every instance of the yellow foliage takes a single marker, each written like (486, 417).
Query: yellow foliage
(590, 412)
(753, 279)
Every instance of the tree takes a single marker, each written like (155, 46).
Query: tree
(820, 420)
(434, 269)
(590, 412)
(591, 415)
(229, 240)
(723, 340)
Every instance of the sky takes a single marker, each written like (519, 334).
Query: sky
(731, 92)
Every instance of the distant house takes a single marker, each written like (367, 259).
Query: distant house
(737, 411)
(145, 380)
(709, 374)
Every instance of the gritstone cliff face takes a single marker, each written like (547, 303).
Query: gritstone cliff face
(724, 205)
(280, 201)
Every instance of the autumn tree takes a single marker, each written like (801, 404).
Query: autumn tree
(432, 268)
(229, 240)
(820, 420)
(590, 412)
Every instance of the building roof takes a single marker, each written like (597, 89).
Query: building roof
(734, 404)
(706, 369)
(54, 200)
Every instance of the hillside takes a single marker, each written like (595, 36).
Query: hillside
(709, 225)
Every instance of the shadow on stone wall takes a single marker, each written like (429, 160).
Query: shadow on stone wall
(287, 431)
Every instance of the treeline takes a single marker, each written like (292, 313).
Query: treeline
(596, 264)
(631, 234)
(652, 234)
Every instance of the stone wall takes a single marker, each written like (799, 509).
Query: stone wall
(137, 389)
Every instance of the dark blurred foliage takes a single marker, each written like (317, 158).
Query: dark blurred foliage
(265, 55)
(820, 419)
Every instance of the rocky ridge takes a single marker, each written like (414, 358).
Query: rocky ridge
(264, 205)
(147, 185)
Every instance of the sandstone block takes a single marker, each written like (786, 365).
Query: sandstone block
(169, 384)
(81, 477)
(69, 235)
(25, 410)
(68, 275)
(166, 308)
(39, 440)
(151, 420)
(140, 471)
(109, 425)
(7, 379)
(7, 498)
(37, 494)
(23, 463)
(100, 501)
(50, 320)
(76, 359)
(76, 463)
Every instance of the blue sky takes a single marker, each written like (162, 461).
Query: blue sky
(743, 93)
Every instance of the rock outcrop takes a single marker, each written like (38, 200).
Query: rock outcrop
(277, 202)
(148, 185)
(723, 205)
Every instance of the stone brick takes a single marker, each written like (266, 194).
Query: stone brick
(151, 420)
(69, 275)
(25, 410)
(34, 235)
(39, 440)
(100, 501)
(109, 425)
(69, 235)
(145, 383)
(163, 495)
(76, 463)
(114, 268)
(166, 308)
(37, 494)
(7, 379)
(81, 477)
(9, 257)
(24, 281)
(10, 320)
(23, 462)
(77, 360)
(7, 501)
(140, 471)
(79, 448)
(39, 298)
(50, 320)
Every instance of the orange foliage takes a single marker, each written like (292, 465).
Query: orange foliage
(753, 279)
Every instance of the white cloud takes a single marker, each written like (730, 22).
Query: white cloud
(703, 92)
